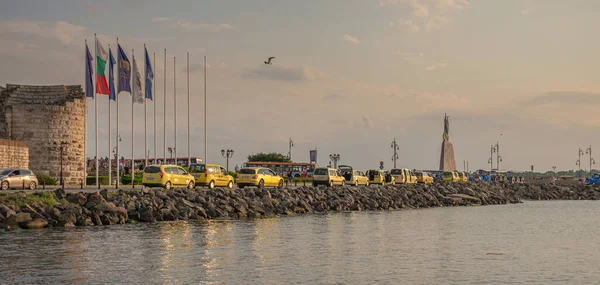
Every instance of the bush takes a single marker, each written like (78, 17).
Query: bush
(126, 179)
(234, 174)
(44, 179)
(91, 180)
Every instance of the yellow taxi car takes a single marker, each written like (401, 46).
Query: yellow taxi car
(211, 175)
(327, 176)
(450, 176)
(378, 176)
(463, 176)
(167, 176)
(259, 177)
(404, 175)
(353, 176)
(423, 177)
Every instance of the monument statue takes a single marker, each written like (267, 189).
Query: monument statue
(446, 127)
(447, 162)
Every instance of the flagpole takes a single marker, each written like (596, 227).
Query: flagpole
(205, 116)
(165, 111)
(154, 102)
(175, 108)
(118, 136)
(96, 112)
(188, 110)
(132, 122)
(85, 118)
(109, 115)
(145, 112)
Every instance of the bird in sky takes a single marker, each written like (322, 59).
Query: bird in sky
(268, 62)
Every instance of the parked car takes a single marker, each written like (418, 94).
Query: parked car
(327, 176)
(378, 176)
(423, 177)
(167, 176)
(352, 176)
(593, 180)
(211, 175)
(463, 176)
(450, 176)
(404, 175)
(16, 178)
(259, 177)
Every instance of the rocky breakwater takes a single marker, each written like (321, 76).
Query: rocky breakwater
(58, 209)
(555, 192)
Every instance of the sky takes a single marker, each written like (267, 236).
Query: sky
(349, 75)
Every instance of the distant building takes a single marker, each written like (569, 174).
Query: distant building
(39, 116)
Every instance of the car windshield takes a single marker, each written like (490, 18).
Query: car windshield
(419, 174)
(247, 171)
(447, 174)
(5, 171)
(321, 171)
(396, 171)
(197, 168)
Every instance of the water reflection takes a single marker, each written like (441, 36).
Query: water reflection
(439, 246)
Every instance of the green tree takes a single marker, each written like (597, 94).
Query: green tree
(268, 157)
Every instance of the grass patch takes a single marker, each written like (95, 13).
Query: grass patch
(44, 198)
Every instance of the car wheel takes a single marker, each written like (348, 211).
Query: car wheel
(4, 185)
(330, 183)
(168, 185)
(261, 184)
(343, 183)
(280, 184)
(382, 183)
(356, 183)
(230, 185)
(191, 185)
(367, 184)
(211, 185)
(32, 185)
(393, 182)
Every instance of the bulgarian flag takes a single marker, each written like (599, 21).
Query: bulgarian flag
(101, 58)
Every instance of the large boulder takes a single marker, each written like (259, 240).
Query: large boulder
(94, 199)
(37, 223)
(79, 198)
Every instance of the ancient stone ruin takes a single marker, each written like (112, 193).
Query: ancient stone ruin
(41, 117)
(447, 162)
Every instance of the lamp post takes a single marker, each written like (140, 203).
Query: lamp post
(291, 144)
(592, 161)
(396, 148)
(335, 158)
(578, 162)
(62, 145)
(491, 160)
(227, 154)
(171, 150)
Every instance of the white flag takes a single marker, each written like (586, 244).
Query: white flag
(137, 86)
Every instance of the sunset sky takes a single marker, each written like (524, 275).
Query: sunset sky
(349, 75)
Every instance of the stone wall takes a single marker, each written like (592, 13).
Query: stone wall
(42, 117)
(13, 154)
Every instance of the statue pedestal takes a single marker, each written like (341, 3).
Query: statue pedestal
(447, 162)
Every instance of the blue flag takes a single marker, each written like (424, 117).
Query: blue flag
(111, 77)
(124, 67)
(149, 76)
(89, 85)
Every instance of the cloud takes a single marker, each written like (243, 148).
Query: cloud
(189, 26)
(367, 121)
(62, 31)
(565, 97)
(351, 39)
(427, 15)
(332, 97)
(409, 55)
(436, 66)
(409, 25)
(302, 73)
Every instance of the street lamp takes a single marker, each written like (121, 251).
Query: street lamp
(396, 148)
(335, 158)
(171, 150)
(62, 145)
(578, 162)
(592, 161)
(227, 154)
(291, 144)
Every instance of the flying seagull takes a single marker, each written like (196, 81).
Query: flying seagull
(268, 62)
